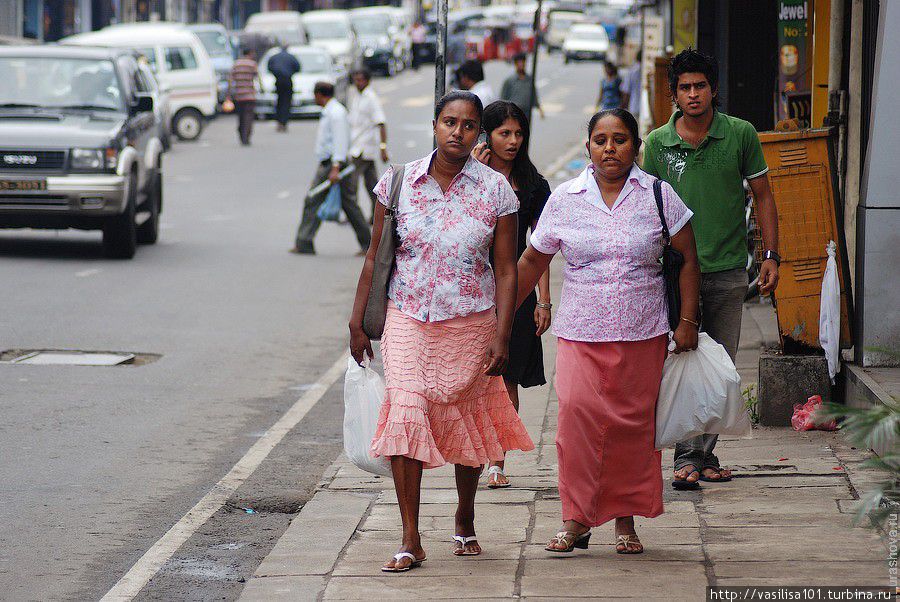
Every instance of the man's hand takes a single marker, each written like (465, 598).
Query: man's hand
(384, 155)
(334, 176)
(768, 277)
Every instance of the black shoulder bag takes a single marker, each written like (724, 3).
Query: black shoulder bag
(672, 261)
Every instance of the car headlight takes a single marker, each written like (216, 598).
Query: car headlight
(369, 52)
(94, 158)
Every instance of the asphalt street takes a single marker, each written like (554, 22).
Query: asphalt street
(98, 463)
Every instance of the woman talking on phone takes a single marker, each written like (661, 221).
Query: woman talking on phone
(506, 150)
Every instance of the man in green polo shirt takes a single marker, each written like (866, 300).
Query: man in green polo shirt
(706, 155)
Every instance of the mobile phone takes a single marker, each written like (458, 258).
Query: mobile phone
(482, 137)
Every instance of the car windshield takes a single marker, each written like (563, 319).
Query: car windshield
(312, 62)
(59, 83)
(282, 34)
(594, 35)
(215, 42)
(371, 25)
(326, 30)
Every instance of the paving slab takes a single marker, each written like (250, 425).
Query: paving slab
(798, 572)
(598, 577)
(418, 586)
(286, 588)
(606, 552)
(488, 496)
(444, 567)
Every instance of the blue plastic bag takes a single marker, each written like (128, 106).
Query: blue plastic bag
(330, 210)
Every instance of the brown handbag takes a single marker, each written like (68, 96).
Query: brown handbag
(376, 304)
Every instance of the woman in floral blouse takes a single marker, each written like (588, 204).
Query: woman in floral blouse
(612, 325)
(449, 317)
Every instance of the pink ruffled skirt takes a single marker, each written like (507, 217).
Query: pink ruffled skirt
(439, 407)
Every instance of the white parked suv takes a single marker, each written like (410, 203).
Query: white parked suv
(180, 62)
(333, 31)
(586, 41)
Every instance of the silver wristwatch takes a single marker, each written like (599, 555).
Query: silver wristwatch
(770, 254)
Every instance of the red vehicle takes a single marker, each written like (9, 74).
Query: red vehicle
(489, 40)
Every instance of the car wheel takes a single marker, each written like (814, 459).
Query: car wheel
(148, 232)
(119, 232)
(187, 124)
(568, 59)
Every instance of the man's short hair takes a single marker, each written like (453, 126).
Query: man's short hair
(363, 72)
(693, 61)
(325, 89)
(471, 69)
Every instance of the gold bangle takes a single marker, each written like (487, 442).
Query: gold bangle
(697, 324)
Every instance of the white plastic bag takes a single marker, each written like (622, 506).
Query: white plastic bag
(700, 393)
(363, 394)
(830, 313)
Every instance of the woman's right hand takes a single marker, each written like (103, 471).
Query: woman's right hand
(482, 152)
(360, 345)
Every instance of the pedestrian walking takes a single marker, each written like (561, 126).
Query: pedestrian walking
(417, 34)
(449, 316)
(610, 88)
(368, 135)
(506, 151)
(470, 76)
(631, 88)
(331, 151)
(283, 65)
(706, 155)
(242, 93)
(612, 326)
(519, 87)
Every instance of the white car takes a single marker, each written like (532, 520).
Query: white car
(333, 31)
(586, 41)
(180, 62)
(284, 26)
(559, 22)
(316, 65)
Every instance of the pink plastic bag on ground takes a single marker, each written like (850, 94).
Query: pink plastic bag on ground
(804, 416)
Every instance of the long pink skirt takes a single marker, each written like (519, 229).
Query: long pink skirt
(439, 407)
(608, 466)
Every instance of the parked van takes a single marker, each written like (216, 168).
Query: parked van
(284, 26)
(333, 31)
(214, 38)
(558, 24)
(180, 62)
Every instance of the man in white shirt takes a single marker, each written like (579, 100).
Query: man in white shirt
(368, 135)
(631, 88)
(332, 149)
(470, 76)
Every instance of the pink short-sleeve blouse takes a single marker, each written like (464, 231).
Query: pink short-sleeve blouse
(612, 284)
(442, 268)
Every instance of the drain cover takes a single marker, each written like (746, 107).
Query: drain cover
(73, 358)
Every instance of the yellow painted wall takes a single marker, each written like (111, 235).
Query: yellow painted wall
(821, 42)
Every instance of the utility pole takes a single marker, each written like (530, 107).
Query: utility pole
(440, 55)
(534, 59)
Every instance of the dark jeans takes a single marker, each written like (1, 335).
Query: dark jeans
(417, 49)
(722, 304)
(366, 169)
(284, 95)
(245, 110)
(310, 223)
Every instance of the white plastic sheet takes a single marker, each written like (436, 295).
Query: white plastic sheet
(363, 395)
(830, 313)
(700, 393)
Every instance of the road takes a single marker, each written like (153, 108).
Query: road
(98, 463)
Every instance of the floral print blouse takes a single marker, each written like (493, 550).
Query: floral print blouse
(612, 283)
(442, 268)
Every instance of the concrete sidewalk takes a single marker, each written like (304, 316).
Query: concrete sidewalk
(785, 520)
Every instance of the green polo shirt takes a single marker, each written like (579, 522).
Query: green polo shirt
(709, 179)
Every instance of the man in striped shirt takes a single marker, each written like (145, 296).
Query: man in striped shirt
(242, 91)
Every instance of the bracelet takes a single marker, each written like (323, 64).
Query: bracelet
(544, 305)
(697, 324)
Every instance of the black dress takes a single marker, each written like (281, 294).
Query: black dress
(526, 356)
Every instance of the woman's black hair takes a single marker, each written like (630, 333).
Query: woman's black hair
(693, 61)
(625, 117)
(523, 173)
(459, 95)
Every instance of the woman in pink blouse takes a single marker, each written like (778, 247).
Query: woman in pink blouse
(612, 325)
(449, 317)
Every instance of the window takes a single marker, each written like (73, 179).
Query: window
(179, 58)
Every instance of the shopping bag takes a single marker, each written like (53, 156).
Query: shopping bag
(330, 210)
(804, 417)
(363, 394)
(830, 313)
(700, 393)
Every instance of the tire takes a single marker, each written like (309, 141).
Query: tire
(187, 124)
(119, 232)
(148, 232)
(568, 59)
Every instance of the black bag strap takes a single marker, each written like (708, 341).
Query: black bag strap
(657, 194)
(396, 185)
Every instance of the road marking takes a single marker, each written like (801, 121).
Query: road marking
(560, 162)
(283, 194)
(86, 273)
(417, 101)
(153, 559)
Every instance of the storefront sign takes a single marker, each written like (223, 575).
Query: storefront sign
(794, 61)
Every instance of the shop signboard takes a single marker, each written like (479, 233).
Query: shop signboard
(794, 61)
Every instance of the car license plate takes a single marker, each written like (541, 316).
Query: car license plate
(22, 185)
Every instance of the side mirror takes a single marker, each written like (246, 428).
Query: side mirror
(143, 103)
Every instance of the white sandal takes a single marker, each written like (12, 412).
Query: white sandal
(493, 473)
(397, 558)
(462, 541)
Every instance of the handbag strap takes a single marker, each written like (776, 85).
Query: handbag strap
(657, 194)
(396, 185)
